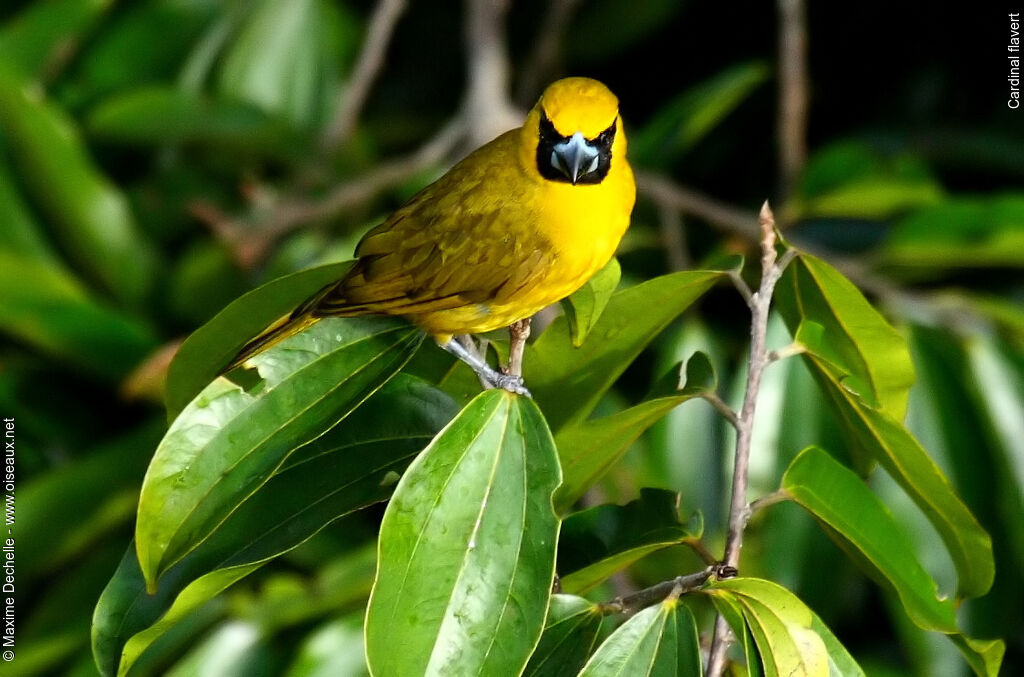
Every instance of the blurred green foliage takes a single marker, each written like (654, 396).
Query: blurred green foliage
(145, 145)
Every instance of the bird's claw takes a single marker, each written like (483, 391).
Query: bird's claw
(509, 382)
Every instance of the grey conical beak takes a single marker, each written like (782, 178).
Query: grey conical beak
(574, 157)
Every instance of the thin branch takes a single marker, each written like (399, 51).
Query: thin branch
(664, 192)
(668, 194)
(543, 60)
(657, 593)
(793, 98)
(250, 244)
(741, 286)
(738, 508)
(371, 59)
(698, 547)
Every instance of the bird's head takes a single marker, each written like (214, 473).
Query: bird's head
(573, 132)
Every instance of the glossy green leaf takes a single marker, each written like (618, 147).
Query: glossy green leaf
(165, 115)
(597, 542)
(354, 464)
(690, 116)
(228, 441)
(567, 382)
(467, 547)
(205, 353)
(782, 626)
(569, 636)
(48, 309)
(851, 179)
(905, 459)
(960, 233)
(588, 449)
(37, 38)
(584, 307)
(730, 609)
(985, 656)
(89, 214)
(836, 497)
(660, 640)
(877, 361)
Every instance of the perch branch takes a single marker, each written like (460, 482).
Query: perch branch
(518, 332)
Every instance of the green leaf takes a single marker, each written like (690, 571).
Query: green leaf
(730, 609)
(18, 227)
(89, 214)
(782, 626)
(588, 449)
(569, 636)
(51, 311)
(690, 116)
(959, 233)
(836, 497)
(228, 441)
(205, 353)
(122, 53)
(596, 543)
(157, 115)
(660, 640)
(850, 179)
(81, 501)
(36, 41)
(283, 58)
(583, 308)
(567, 382)
(467, 547)
(875, 355)
(985, 656)
(880, 434)
(353, 465)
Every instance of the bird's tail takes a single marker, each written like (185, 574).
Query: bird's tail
(288, 325)
(301, 318)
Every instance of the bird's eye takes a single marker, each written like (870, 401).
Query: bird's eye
(547, 129)
(605, 138)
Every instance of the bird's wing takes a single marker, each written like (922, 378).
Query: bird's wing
(471, 237)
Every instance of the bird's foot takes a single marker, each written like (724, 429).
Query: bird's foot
(509, 382)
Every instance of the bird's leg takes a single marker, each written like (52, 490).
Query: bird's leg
(518, 332)
(495, 379)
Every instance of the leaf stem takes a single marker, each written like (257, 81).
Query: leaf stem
(723, 408)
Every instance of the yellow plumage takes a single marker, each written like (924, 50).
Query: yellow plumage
(507, 231)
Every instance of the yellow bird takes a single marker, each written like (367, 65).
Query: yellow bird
(520, 223)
